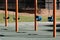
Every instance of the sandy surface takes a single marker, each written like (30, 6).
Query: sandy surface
(44, 32)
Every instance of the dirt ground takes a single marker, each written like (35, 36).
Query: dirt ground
(42, 12)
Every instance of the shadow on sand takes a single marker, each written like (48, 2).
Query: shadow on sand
(28, 36)
(57, 25)
(50, 30)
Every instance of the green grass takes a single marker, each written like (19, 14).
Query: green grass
(24, 18)
(58, 18)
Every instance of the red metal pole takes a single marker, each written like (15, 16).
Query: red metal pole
(35, 13)
(16, 15)
(54, 16)
(6, 12)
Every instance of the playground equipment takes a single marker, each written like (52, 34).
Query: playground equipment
(38, 18)
(35, 12)
(6, 13)
(38, 15)
(6, 18)
(50, 18)
(15, 18)
(54, 17)
(16, 14)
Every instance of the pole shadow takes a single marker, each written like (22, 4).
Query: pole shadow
(57, 25)
(50, 30)
(28, 36)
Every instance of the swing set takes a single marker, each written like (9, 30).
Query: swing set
(37, 18)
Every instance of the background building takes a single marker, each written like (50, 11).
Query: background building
(29, 4)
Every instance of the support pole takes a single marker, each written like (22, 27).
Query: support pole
(54, 16)
(35, 13)
(6, 13)
(16, 15)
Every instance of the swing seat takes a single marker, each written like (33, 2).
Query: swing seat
(15, 18)
(38, 18)
(50, 19)
(6, 18)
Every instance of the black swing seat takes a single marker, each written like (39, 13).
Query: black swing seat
(15, 18)
(50, 19)
(38, 18)
(6, 18)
